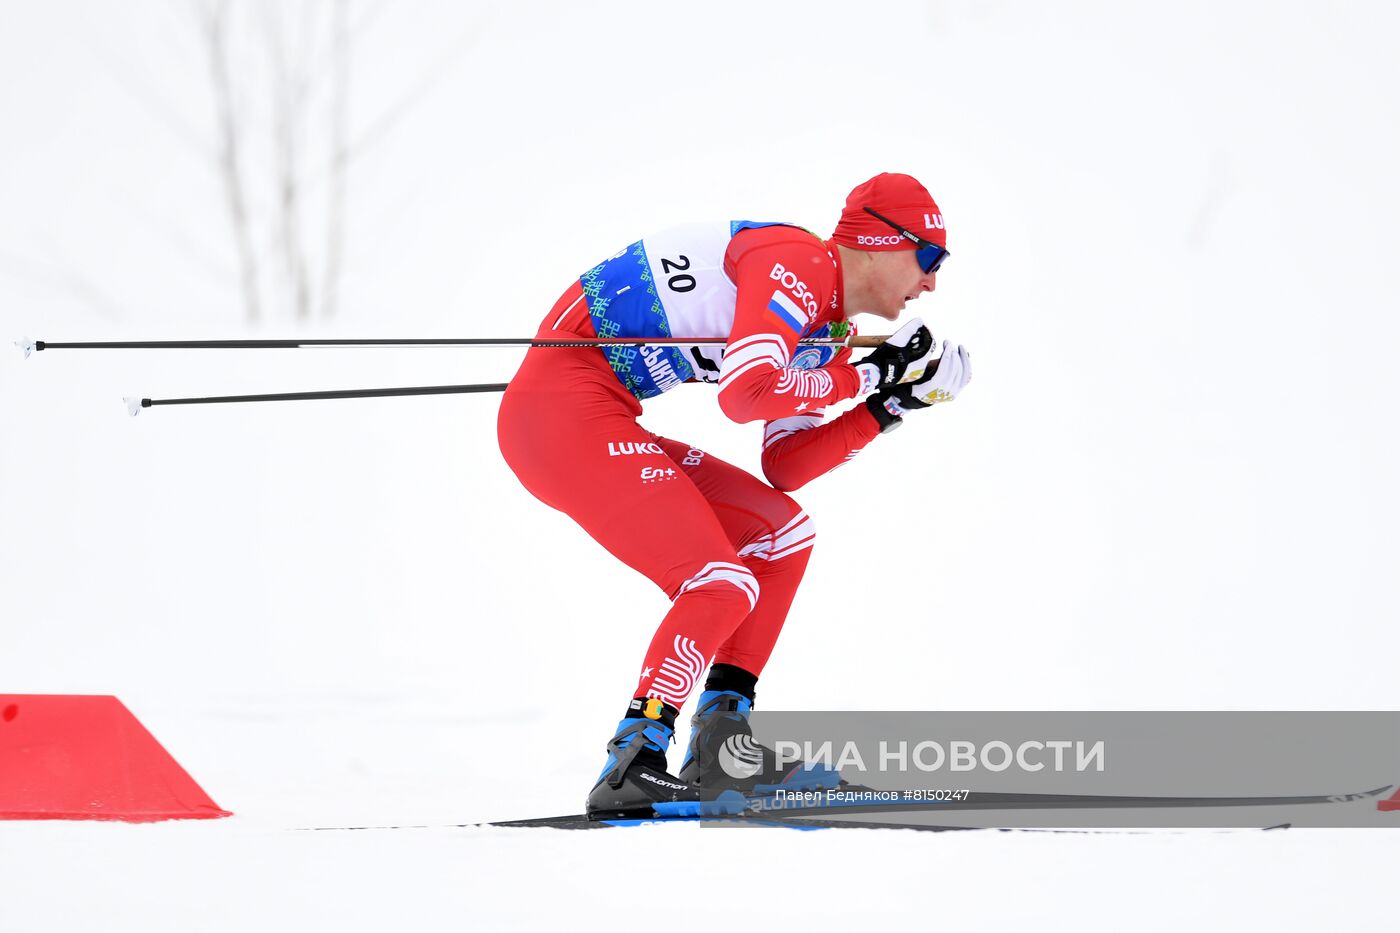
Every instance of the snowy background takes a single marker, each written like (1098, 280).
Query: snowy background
(1169, 486)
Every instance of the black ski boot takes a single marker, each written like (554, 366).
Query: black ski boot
(635, 783)
(723, 753)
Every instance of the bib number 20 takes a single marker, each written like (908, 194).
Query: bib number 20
(683, 281)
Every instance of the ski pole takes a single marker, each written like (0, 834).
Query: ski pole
(29, 345)
(134, 405)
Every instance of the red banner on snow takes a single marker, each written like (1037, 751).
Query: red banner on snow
(88, 758)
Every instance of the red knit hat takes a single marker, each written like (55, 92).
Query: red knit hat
(900, 198)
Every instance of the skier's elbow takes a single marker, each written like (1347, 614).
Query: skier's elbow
(737, 408)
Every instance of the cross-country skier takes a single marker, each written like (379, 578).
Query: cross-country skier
(728, 549)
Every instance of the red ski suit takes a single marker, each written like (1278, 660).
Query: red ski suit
(726, 548)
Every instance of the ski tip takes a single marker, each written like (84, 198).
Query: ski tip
(134, 404)
(27, 344)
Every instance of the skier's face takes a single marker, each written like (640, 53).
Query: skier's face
(896, 280)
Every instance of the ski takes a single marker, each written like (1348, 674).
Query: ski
(575, 821)
(854, 799)
(579, 821)
(582, 821)
(797, 813)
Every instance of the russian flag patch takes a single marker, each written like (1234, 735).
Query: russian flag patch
(785, 308)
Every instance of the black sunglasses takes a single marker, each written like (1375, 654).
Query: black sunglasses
(929, 255)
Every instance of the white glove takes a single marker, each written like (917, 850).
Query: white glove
(951, 372)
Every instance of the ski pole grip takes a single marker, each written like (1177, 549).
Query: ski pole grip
(871, 342)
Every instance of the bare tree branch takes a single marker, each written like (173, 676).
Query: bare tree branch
(213, 15)
(340, 153)
(288, 96)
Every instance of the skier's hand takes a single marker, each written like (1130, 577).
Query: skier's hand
(942, 380)
(903, 352)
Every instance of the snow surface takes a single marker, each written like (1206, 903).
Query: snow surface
(1170, 485)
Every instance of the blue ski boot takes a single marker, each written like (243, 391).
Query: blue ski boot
(635, 784)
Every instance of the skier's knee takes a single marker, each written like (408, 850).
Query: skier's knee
(795, 536)
(732, 587)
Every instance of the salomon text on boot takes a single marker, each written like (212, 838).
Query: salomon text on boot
(635, 783)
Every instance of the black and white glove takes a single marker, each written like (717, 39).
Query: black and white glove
(887, 364)
(942, 380)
